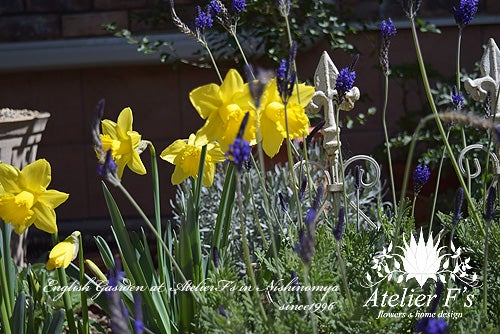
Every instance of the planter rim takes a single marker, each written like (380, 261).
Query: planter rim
(8, 115)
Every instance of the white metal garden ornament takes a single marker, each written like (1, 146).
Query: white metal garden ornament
(326, 97)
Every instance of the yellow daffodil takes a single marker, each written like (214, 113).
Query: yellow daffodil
(272, 116)
(224, 107)
(186, 158)
(64, 252)
(123, 143)
(25, 199)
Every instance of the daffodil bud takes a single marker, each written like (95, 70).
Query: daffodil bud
(96, 271)
(64, 252)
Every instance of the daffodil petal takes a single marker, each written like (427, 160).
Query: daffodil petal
(208, 175)
(305, 92)
(121, 162)
(178, 175)
(9, 178)
(232, 84)
(173, 150)
(52, 198)
(45, 218)
(109, 128)
(272, 138)
(36, 176)
(205, 99)
(135, 164)
(125, 120)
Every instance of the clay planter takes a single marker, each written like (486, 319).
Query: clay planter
(20, 133)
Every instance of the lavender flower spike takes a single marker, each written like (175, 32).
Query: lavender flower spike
(203, 19)
(387, 30)
(420, 177)
(465, 12)
(457, 99)
(345, 80)
(239, 6)
(490, 204)
(338, 231)
(457, 209)
(239, 151)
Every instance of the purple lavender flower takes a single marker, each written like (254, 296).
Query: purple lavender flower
(302, 189)
(388, 30)
(294, 279)
(216, 7)
(138, 324)
(238, 6)
(357, 178)
(118, 312)
(457, 99)
(283, 203)
(286, 76)
(215, 256)
(465, 11)
(338, 231)
(203, 19)
(108, 167)
(432, 326)
(307, 238)
(239, 151)
(313, 132)
(420, 177)
(222, 311)
(490, 211)
(345, 80)
(457, 209)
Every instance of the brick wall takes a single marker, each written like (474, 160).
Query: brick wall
(24, 20)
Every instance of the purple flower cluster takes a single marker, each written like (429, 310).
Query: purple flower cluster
(239, 151)
(457, 208)
(286, 76)
(108, 167)
(338, 231)
(345, 80)
(307, 237)
(433, 326)
(457, 99)
(203, 19)
(465, 12)
(420, 177)
(490, 211)
(239, 6)
(387, 30)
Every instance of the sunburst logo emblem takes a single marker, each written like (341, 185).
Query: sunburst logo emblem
(421, 260)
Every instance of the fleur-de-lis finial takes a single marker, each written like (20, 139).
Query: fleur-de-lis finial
(489, 83)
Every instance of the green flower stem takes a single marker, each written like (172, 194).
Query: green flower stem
(341, 163)
(290, 166)
(387, 143)
(485, 270)
(459, 43)
(246, 251)
(164, 267)
(212, 59)
(290, 43)
(438, 181)
(153, 229)
(343, 274)
(233, 33)
(83, 293)
(267, 207)
(254, 212)
(413, 204)
(305, 274)
(439, 124)
(4, 316)
(5, 270)
(63, 282)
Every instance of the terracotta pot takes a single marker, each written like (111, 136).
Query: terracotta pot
(20, 133)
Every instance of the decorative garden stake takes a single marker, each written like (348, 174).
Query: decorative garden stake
(20, 132)
(489, 83)
(324, 97)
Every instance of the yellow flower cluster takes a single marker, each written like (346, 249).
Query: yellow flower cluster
(223, 107)
(25, 199)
